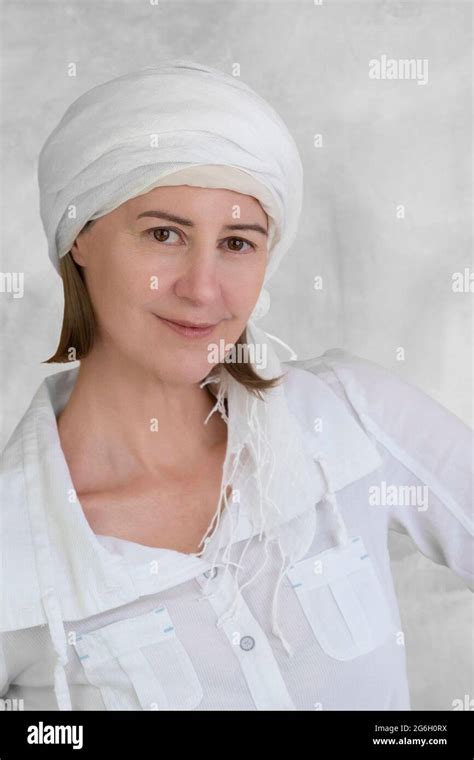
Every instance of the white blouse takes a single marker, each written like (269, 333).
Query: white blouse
(95, 622)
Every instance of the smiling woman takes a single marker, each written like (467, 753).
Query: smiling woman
(147, 333)
(132, 499)
(218, 274)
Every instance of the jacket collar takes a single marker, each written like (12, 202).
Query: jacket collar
(50, 546)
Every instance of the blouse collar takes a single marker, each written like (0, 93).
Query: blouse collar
(55, 547)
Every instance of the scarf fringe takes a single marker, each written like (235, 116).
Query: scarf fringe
(259, 446)
(260, 449)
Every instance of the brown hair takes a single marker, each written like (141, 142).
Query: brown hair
(78, 330)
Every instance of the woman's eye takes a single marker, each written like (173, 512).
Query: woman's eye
(240, 242)
(162, 234)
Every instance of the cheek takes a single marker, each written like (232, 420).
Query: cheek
(243, 287)
(116, 290)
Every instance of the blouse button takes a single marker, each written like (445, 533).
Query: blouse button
(247, 643)
(211, 573)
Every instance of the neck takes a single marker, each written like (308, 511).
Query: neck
(124, 422)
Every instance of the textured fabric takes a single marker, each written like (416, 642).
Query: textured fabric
(148, 125)
(118, 139)
(163, 649)
(192, 124)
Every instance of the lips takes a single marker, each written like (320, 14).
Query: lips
(184, 323)
(189, 329)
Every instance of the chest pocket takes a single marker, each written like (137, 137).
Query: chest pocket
(343, 600)
(140, 663)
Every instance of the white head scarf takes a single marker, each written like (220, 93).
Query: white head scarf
(185, 123)
(116, 140)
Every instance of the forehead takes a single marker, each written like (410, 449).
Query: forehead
(194, 200)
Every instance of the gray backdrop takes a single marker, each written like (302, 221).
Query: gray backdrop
(385, 144)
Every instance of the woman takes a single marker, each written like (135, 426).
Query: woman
(143, 481)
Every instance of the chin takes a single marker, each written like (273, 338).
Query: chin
(184, 370)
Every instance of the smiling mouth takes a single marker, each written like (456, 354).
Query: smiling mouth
(189, 329)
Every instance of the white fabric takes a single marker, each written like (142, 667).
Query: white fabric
(117, 139)
(140, 634)
(148, 125)
(232, 179)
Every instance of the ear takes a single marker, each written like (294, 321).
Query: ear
(77, 251)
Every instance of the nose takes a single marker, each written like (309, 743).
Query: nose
(199, 281)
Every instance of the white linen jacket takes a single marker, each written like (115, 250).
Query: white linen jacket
(91, 622)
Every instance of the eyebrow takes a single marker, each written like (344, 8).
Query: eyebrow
(189, 223)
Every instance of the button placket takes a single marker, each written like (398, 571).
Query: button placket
(249, 643)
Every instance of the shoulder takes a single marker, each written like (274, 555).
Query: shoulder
(349, 373)
(329, 424)
(27, 390)
(404, 422)
(380, 397)
(332, 387)
(357, 382)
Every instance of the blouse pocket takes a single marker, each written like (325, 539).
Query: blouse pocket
(140, 662)
(343, 600)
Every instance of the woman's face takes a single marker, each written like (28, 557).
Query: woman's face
(178, 253)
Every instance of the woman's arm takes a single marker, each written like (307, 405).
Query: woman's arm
(426, 487)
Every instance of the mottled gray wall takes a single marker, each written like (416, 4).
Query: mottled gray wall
(387, 280)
